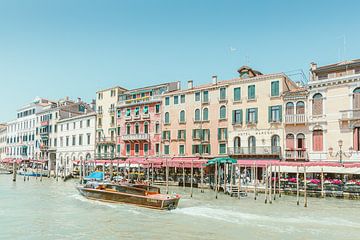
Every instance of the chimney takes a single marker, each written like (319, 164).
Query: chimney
(178, 85)
(190, 84)
(214, 79)
(79, 99)
(313, 66)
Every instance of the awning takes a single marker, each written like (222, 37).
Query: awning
(220, 160)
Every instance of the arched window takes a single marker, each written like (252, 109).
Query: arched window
(137, 129)
(300, 141)
(356, 98)
(128, 129)
(289, 108)
(317, 104)
(205, 114)
(182, 116)
(237, 145)
(197, 115)
(222, 112)
(252, 144)
(317, 140)
(290, 141)
(300, 107)
(167, 118)
(146, 127)
(275, 144)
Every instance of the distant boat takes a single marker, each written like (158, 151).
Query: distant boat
(31, 174)
(140, 195)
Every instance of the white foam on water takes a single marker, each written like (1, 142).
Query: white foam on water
(95, 202)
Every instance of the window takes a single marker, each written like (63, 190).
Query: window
(167, 118)
(197, 134)
(197, 96)
(118, 131)
(137, 111)
(222, 93)
(128, 112)
(181, 134)
(182, 98)
(74, 125)
(112, 120)
(237, 116)
(157, 148)
(251, 92)
(182, 116)
(206, 135)
(136, 149)
(181, 150)
(252, 144)
(197, 114)
(166, 135)
(290, 141)
(166, 149)
(73, 140)
(80, 139)
(128, 149)
(275, 144)
(146, 109)
(118, 113)
(300, 107)
(88, 123)
(251, 116)
(118, 148)
(176, 99)
(289, 108)
(222, 112)
(317, 140)
(237, 94)
(300, 138)
(222, 148)
(157, 128)
(356, 98)
(146, 148)
(237, 145)
(157, 108)
(205, 96)
(356, 137)
(137, 128)
(167, 101)
(146, 127)
(88, 138)
(275, 114)
(128, 129)
(205, 114)
(222, 134)
(317, 104)
(55, 142)
(275, 89)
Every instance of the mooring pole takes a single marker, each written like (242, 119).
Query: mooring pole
(191, 177)
(305, 193)
(266, 183)
(297, 185)
(167, 176)
(279, 182)
(215, 180)
(14, 170)
(202, 178)
(322, 183)
(274, 182)
(255, 180)
(239, 183)
(231, 179)
(270, 188)
(183, 168)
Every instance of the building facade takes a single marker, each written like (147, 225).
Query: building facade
(241, 117)
(76, 141)
(139, 115)
(3, 139)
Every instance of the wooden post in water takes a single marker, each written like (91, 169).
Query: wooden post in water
(246, 187)
(274, 182)
(225, 176)
(322, 183)
(183, 168)
(231, 178)
(14, 170)
(239, 183)
(305, 193)
(148, 170)
(166, 176)
(41, 172)
(216, 179)
(191, 177)
(81, 170)
(266, 183)
(57, 171)
(279, 182)
(297, 185)
(255, 180)
(111, 168)
(103, 168)
(270, 187)
(202, 178)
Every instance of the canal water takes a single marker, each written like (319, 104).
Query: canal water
(54, 210)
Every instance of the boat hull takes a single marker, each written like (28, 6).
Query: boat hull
(118, 197)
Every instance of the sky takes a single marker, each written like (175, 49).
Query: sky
(54, 49)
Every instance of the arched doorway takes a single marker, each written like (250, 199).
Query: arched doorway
(275, 144)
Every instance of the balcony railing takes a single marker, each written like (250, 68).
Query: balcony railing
(106, 140)
(134, 137)
(273, 150)
(140, 100)
(295, 118)
(350, 114)
(296, 155)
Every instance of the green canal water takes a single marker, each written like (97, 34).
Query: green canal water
(54, 210)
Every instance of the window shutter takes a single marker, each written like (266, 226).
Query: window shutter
(225, 133)
(219, 133)
(269, 113)
(233, 117)
(193, 149)
(200, 149)
(280, 113)
(179, 135)
(193, 133)
(256, 115)
(247, 115)
(241, 116)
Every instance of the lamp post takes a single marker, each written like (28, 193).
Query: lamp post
(340, 153)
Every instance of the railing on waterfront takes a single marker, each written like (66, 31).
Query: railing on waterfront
(295, 118)
(140, 136)
(264, 150)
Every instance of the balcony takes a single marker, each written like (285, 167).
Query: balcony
(135, 101)
(106, 141)
(265, 151)
(137, 117)
(295, 119)
(223, 99)
(350, 115)
(128, 118)
(296, 155)
(136, 137)
(111, 111)
(146, 116)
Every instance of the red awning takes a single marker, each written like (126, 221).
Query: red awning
(264, 163)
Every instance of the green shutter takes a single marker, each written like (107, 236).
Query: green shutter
(200, 149)
(256, 115)
(225, 131)
(269, 114)
(247, 115)
(241, 116)
(193, 133)
(219, 133)
(209, 148)
(193, 149)
(184, 134)
(233, 116)
(178, 134)
(280, 114)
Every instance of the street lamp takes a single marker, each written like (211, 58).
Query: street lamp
(340, 153)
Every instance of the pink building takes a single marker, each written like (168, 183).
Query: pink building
(139, 115)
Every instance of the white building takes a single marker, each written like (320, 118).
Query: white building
(3, 138)
(21, 143)
(76, 141)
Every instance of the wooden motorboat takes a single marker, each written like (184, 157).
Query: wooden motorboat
(137, 194)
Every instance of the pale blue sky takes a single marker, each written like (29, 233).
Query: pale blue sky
(72, 48)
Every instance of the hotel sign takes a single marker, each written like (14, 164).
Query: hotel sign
(257, 132)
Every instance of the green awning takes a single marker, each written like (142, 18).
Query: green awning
(220, 160)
